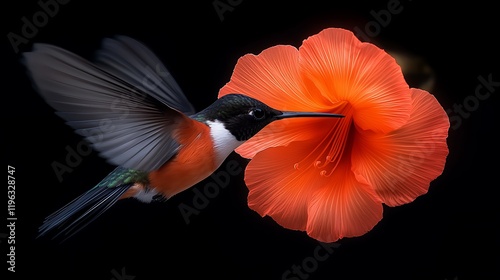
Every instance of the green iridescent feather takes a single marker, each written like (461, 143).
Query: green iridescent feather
(122, 176)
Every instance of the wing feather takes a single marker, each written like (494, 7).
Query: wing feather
(143, 70)
(129, 125)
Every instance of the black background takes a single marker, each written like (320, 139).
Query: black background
(449, 233)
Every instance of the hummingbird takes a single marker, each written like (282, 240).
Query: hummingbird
(131, 110)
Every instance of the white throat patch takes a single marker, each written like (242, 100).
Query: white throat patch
(224, 141)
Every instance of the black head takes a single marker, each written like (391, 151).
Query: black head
(244, 116)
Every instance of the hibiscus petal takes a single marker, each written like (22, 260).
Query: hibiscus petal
(345, 69)
(273, 77)
(345, 207)
(281, 133)
(278, 189)
(400, 165)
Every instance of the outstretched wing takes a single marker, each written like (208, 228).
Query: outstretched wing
(133, 62)
(131, 125)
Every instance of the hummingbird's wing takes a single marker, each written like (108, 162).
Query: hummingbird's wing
(128, 124)
(134, 63)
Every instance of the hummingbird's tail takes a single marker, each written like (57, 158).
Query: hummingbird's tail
(77, 214)
(81, 211)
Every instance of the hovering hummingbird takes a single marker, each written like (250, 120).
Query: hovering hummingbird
(132, 111)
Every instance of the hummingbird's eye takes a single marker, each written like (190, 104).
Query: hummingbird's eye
(257, 113)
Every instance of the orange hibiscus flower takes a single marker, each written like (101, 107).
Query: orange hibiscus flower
(329, 177)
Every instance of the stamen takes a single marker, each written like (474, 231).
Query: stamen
(330, 173)
(296, 166)
(332, 147)
(337, 148)
(322, 165)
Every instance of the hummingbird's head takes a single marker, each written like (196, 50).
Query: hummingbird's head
(244, 116)
(241, 115)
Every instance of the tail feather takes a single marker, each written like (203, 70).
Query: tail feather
(81, 211)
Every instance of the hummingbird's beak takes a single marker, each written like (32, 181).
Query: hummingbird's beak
(288, 114)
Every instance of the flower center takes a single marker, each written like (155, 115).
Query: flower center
(327, 154)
